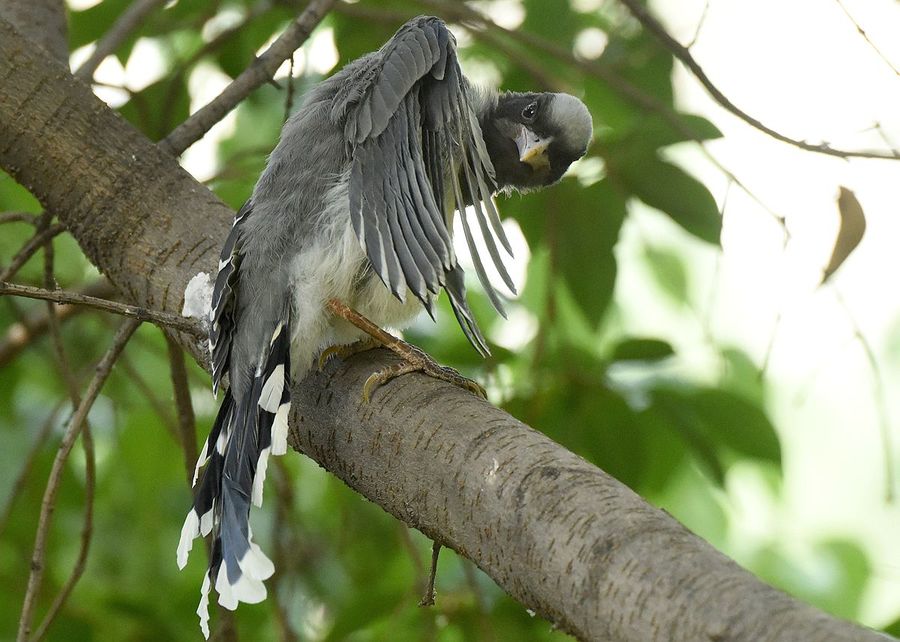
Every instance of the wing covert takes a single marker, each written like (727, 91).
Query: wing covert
(409, 126)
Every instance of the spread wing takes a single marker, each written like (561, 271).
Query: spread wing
(409, 125)
(224, 299)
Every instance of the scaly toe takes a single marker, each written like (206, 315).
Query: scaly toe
(345, 351)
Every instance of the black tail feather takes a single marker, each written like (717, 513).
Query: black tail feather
(236, 455)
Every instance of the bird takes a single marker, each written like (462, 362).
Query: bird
(347, 231)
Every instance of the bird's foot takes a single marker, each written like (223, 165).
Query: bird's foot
(347, 350)
(415, 360)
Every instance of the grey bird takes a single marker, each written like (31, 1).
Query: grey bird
(351, 221)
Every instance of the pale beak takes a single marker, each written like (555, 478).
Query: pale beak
(532, 150)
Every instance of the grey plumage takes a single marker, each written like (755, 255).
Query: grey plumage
(356, 203)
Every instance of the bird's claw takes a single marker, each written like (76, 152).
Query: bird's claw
(418, 361)
(345, 351)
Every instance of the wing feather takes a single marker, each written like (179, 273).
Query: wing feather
(224, 299)
(410, 128)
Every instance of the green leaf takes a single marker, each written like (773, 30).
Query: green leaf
(893, 628)
(717, 425)
(654, 132)
(579, 226)
(738, 424)
(552, 19)
(837, 591)
(159, 107)
(89, 25)
(642, 350)
(668, 270)
(670, 189)
(240, 49)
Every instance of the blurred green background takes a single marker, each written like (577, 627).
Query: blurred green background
(722, 385)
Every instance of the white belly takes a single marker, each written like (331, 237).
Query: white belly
(329, 269)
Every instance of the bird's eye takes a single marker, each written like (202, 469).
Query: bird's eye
(529, 112)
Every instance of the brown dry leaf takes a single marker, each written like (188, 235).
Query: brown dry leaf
(850, 233)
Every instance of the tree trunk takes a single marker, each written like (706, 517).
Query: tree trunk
(561, 536)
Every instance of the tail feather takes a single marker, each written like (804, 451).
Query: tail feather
(245, 433)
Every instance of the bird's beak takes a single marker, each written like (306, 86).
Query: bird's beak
(532, 149)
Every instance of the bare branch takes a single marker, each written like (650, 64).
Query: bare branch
(164, 319)
(19, 217)
(699, 26)
(122, 28)
(592, 68)
(259, 72)
(87, 530)
(475, 479)
(28, 250)
(884, 422)
(36, 323)
(162, 408)
(89, 458)
(484, 31)
(104, 367)
(651, 24)
(187, 431)
(865, 36)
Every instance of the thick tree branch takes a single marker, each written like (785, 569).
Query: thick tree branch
(556, 532)
(43, 21)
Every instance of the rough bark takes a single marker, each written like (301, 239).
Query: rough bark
(560, 535)
(43, 21)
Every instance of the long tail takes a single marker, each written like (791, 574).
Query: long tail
(236, 455)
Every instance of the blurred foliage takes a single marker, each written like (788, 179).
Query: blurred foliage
(347, 571)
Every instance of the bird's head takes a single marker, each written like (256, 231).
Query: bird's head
(533, 138)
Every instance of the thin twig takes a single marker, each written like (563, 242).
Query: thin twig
(165, 319)
(87, 529)
(595, 69)
(483, 31)
(87, 442)
(699, 26)
(867, 39)
(176, 78)
(651, 24)
(122, 28)
(887, 141)
(259, 72)
(28, 250)
(104, 367)
(884, 422)
(35, 323)
(162, 408)
(428, 598)
(19, 217)
(289, 94)
(187, 431)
